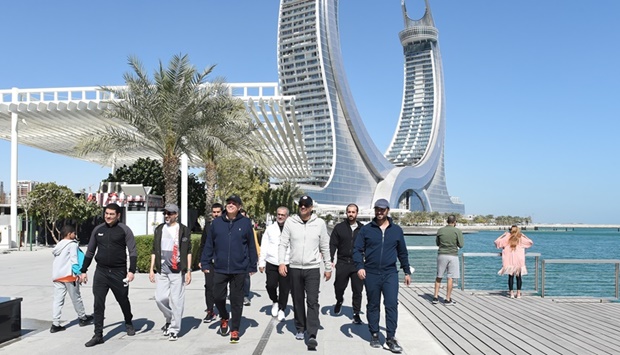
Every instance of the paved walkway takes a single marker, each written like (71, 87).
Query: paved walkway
(27, 274)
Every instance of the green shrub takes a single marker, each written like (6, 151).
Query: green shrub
(144, 246)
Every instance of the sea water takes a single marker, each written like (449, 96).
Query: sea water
(571, 280)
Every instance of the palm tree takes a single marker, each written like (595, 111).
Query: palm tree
(162, 112)
(227, 132)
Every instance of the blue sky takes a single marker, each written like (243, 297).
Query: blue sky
(531, 87)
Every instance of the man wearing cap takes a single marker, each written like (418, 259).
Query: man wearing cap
(230, 244)
(306, 236)
(171, 259)
(377, 246)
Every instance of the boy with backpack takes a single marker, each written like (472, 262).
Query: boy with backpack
(68, 258)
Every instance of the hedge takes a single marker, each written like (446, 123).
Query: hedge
(144, 246)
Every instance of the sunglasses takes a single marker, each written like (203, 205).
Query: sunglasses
(166, 213)
(305, 206)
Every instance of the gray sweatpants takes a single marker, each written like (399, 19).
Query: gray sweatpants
(60, 291)
(170, 298)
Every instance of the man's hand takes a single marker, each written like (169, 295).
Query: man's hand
(83, 278)
(328, 275)
(129, 276)
(361, 274)
(261, 269)
(407, 280)
(199, 265)
(152, 275)
(282, 270)
(206, 271)
(188, 278)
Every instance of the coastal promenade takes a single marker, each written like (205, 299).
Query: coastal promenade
(480, 322)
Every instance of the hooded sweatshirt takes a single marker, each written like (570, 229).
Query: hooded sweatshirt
(231, 246)
(308, 242)
(66, 264)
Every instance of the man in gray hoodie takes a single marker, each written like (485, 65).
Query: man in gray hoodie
(306, 236)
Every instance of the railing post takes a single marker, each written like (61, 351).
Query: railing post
(536, 278)
(542, 294)
(617, 274)
(462, 272)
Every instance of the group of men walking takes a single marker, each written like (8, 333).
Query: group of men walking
(292, 253)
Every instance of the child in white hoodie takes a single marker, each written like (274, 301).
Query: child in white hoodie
(65, 270)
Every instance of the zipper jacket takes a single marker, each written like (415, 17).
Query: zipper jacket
(231, 246)
(111, 242)
(185, 246)
(342, 239)
(308, 242)
(269, 246)
(376, 250)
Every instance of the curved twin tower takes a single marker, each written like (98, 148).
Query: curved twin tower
(341, 162)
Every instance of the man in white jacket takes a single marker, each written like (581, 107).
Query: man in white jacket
(306, 235)
(268, 262)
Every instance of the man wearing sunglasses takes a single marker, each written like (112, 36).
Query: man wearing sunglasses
(306, 235)
(170, 260)
(230, 244)
(377, 247)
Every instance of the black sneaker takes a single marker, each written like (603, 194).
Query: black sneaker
(86, 320)
(210, 317)
(173, 337)
(435, 300)
(164, 329)
(246, 301)
(224, 330)
(131, 331)
(393, 345)
(357, 319)
(96, 340)
(338, 308)
(374, 340)
(449, 302)
(57, 328)
(312, 343)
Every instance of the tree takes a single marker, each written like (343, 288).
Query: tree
(149, 172)
(227, 131)
(51, 203)
(82, 210)
(283, 195)
(161, 111)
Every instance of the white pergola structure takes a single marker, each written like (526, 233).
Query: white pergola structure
(56, 119)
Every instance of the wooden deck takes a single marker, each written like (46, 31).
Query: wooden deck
(491, 323)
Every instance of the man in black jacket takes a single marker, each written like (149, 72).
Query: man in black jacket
(341, 241)
(170, 259)
(216, 211)
(111, 240)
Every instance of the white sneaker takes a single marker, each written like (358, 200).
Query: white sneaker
(281, 316)
(274, 309)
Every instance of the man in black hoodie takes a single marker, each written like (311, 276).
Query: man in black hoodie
(341, 241)
(111, 240)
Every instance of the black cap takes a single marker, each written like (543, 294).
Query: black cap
(305, 201)
(234, 198)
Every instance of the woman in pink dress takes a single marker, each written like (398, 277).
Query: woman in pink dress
(513, 244)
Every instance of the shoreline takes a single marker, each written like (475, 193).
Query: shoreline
(467, 229)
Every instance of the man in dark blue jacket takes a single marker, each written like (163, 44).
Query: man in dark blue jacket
(230, 244)
(377, 246)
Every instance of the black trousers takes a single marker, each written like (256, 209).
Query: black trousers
(110, 279)
(209, 299)
(511, 282)
(344, 273)
(305, 287)
(276, 282)
(220, 288)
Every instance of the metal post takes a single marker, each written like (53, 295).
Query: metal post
(462, 272)
(13, 234)
(536, 278)
(617, 274)
(543, 280)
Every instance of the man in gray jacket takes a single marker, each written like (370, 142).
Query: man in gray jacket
(306, 235)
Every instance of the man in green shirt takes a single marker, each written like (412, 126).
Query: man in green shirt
(449, 240)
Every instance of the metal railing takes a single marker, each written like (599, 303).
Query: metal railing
(581, 261)
(463, 255)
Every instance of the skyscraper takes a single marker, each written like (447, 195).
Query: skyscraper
(344, 164)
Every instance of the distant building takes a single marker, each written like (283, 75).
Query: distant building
(2, 193)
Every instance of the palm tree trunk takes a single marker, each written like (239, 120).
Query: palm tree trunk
(171, 170)
(210, 182)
